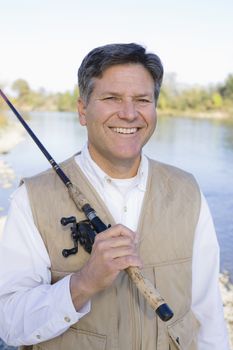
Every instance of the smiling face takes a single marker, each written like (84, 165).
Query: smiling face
(120, 117)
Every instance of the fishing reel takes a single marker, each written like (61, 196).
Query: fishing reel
(81, 232)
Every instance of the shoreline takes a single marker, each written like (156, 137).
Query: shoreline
(214, 115)
(226, 289)
(10, 136)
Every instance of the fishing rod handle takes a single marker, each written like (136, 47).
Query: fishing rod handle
(77, 197)
(150, 293)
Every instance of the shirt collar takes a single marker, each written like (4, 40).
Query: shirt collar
(90, 167)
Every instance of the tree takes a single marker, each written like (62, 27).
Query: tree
(217, 100)
(227, 89)
(21, 87)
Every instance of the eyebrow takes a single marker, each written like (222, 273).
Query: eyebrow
(118, 94)
(144, 95)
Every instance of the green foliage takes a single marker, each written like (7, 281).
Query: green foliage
(21, 87)
(226, 90)
(67, 101)
(171, 99)
(28, 99)
(163, 102)
(217, 100)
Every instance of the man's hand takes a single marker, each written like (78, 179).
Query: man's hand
(113, 251)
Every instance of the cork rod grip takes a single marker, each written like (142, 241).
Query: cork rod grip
(145, 287)
(150, 293)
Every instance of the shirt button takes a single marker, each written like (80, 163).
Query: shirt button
(108, 180)
(125, 208)
(38, 336)
(67, 319)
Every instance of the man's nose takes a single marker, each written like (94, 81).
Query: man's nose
(128, 110)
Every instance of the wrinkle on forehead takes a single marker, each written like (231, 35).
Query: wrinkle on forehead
(131, 79)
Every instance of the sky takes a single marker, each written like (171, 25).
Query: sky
(44, 41)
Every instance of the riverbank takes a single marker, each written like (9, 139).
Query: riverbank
(226, 289)
(7, 175)
(10, 136)
(217, 115)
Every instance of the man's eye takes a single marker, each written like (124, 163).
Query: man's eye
(113, 98)
(144, 100)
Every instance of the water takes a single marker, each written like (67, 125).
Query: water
(202, 147)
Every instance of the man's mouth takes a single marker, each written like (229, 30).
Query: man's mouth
(125, 130)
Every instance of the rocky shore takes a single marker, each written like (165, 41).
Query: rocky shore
(7, 174)
(10, 136)
(226, 289)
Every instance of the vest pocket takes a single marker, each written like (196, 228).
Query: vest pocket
(74, 339)
(183, 333)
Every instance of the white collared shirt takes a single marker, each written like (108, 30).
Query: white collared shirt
(33, 310)
(123, 197)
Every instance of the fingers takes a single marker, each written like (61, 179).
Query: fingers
(116, 236)
(116, 231)
(126, 261)
(116, 242)
(117, 247)
(114, 250)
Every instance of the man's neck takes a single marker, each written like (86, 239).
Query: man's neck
(117, 169)
(120, 171)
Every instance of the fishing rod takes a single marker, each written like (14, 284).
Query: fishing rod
(148, 290)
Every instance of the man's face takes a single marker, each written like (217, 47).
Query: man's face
(120, 116)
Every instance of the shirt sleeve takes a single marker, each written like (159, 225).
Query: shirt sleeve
(206, 299)
(31, 309)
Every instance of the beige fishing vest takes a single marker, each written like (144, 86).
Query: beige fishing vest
(120, 318)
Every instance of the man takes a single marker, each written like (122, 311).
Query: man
(159, 220)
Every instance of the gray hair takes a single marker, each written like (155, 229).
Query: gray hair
(103, 57)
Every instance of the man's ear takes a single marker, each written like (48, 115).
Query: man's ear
(81, 106)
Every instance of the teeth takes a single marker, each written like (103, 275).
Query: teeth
(125, 130)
